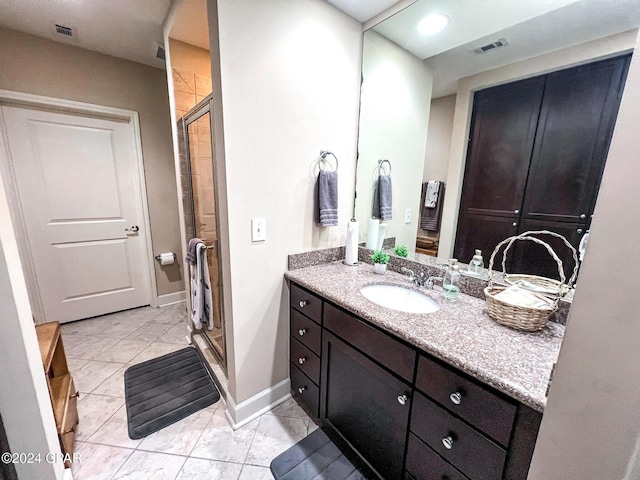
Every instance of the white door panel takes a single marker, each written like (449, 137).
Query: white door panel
(79, 190)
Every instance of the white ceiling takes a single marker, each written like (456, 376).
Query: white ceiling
(121, 28)
(363, 10)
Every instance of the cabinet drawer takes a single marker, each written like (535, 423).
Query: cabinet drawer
(481, 407)
(306, 302)
(381, 347)
(470, 452)
(304, 390)
(306, 331)
(305, 360)
(425, 464)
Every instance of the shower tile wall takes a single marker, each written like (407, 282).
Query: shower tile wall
(189, 89)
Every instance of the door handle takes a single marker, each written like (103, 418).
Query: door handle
(134, 229)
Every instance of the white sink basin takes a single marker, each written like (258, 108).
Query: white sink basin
(400, 298)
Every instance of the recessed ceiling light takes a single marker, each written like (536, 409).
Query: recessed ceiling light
(433, 23)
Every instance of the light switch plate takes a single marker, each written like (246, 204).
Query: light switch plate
(407, 215)
(258, 230)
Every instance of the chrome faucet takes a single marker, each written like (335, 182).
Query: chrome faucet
(430, 280)
(419, 280)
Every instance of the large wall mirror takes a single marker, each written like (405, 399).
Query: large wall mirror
(418, 92)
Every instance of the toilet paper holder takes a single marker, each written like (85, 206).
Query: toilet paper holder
(157, 257)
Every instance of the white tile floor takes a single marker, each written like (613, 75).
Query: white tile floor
(202, 445)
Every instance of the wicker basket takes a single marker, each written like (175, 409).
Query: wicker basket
(549, 291)
(545, 286)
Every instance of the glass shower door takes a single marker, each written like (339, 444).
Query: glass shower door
(204, 225)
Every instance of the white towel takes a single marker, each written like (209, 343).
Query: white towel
(431, 198)
(201, 298)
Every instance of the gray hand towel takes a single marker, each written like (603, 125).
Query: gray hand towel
(382, 198)
(191, 251)
(430, 218)
(328, 198)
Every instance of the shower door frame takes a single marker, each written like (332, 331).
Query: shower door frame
(196, 113)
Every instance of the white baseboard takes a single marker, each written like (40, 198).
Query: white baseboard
(242, 413)
(171, 298)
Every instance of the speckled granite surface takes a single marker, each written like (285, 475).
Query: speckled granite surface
(516, 363)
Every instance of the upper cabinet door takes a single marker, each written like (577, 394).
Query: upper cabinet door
(502, 131)
(577, 117)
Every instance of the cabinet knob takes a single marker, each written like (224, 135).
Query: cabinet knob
(514, 224)
(584, 215)
(402, 399)
(302, 331)
(516, 212)
(301, 389)
(448, 442)
(456, 398)
(75, 395)
(303, 303)
(301, 360)
(579, 230)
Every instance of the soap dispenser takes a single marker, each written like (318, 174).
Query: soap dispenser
(476, 265)
(451, 283)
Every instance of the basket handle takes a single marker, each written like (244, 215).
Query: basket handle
(523, 236)
(574, 274)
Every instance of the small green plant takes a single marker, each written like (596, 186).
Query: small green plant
(380, 257)
(401, 251)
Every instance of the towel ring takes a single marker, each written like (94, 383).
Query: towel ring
(381, 163)
(323, 157)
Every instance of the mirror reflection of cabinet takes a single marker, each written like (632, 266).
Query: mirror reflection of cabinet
(535, 160)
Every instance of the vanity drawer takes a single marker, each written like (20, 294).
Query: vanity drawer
(425, 464)
(484, 409)
(306, 302)
(305, 360)
(306, 331)
(381, 347)
(304, 390)
(470, 452)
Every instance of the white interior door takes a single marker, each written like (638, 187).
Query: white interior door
(80, 196)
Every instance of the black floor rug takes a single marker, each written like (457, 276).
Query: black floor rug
(166, 389)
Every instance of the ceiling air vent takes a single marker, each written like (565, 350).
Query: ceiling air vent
(65, 31)
(501, 42)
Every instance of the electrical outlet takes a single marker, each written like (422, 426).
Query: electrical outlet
(407, 215)
(258, 230)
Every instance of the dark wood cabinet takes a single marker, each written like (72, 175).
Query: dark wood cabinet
(392, 406)
(537, 153)
(360, 401)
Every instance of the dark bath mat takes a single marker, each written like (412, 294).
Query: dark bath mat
(166, 389)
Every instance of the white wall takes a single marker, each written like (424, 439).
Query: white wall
(24, 398)
(436, 162)
(289, 74)
(591, 426)
(396, 98)
(591, 51)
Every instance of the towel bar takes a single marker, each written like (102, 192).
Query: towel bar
(381, 162)
(323, 156)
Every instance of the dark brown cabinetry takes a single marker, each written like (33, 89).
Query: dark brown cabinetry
(401, 412)
(537, 152)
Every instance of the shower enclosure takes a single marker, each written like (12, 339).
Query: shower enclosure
(200, 208)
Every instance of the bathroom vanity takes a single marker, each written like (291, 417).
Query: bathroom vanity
(446, 395)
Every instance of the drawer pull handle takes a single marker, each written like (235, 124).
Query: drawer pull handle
(301, 389)
(302, 331)
(402, 399)
(448, 442)
(303, 303)
(75, 395)
(456, 398)
(301, 360)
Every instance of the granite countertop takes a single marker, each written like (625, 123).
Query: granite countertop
(460, 333)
